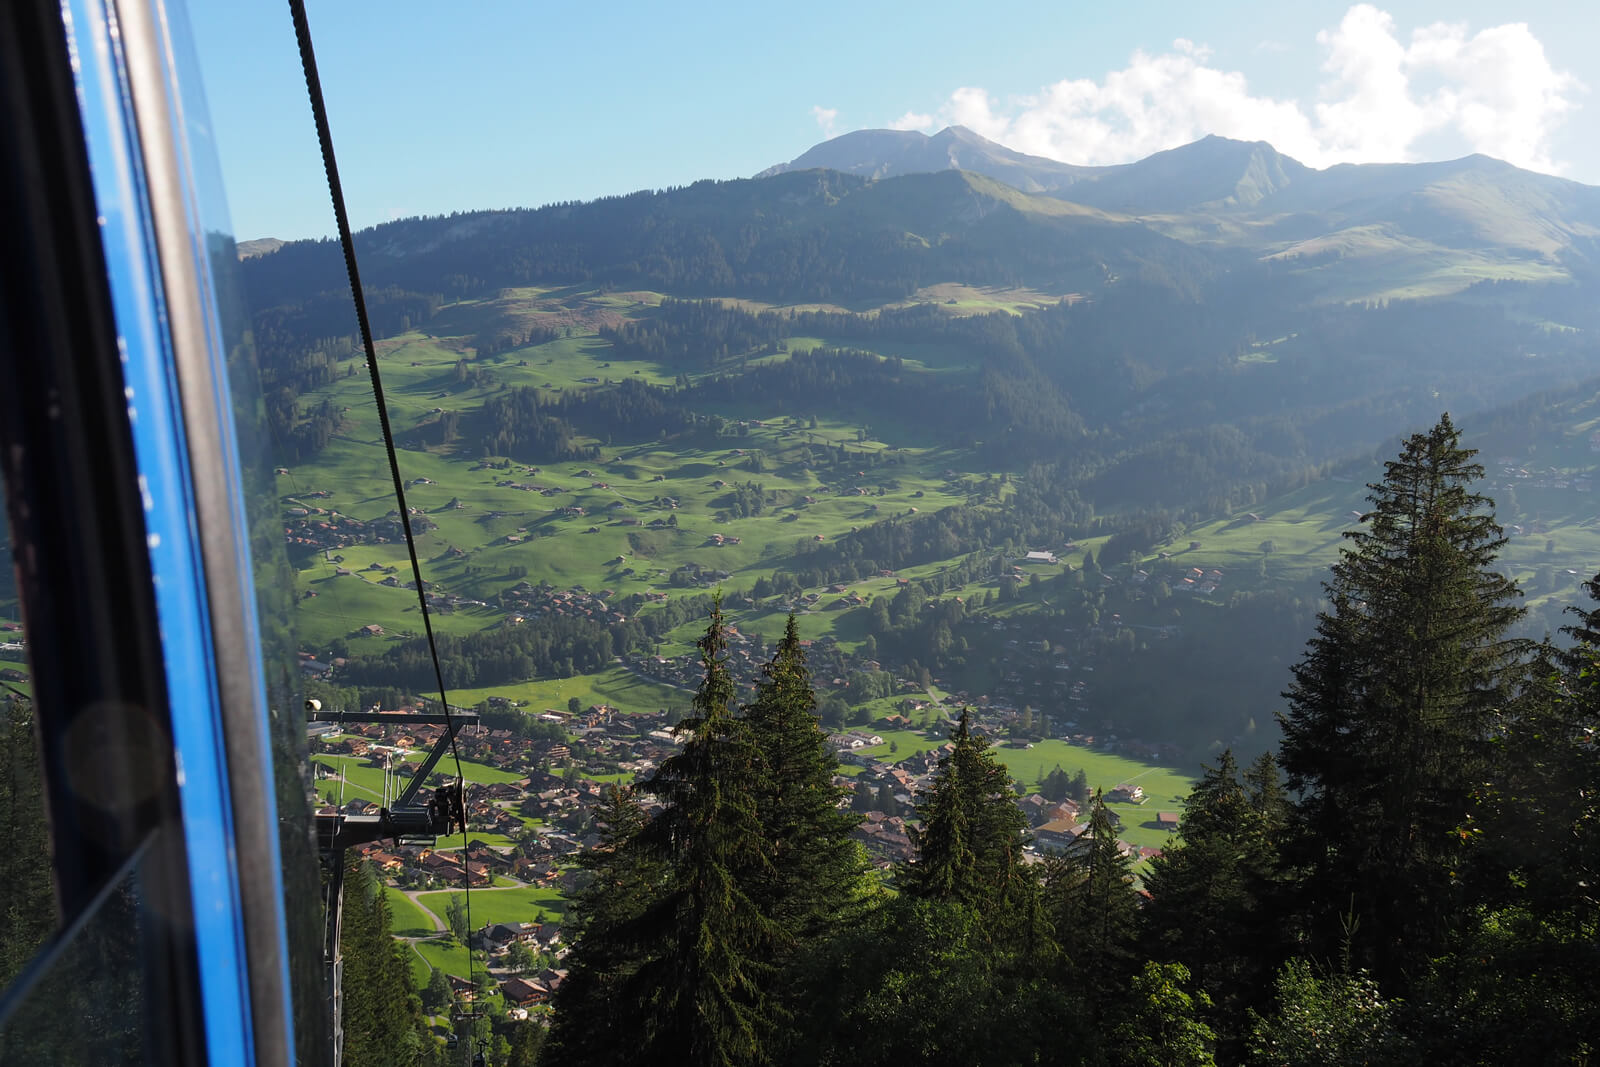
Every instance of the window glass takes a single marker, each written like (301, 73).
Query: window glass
(88, 1006)
(25, 861)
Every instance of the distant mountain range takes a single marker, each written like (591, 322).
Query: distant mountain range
(1404, 229)
(1211, 174)
(880, 216)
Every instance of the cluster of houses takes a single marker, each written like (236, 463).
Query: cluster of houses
(332, 532)
(1199, 580)
(521, 992)
(12, 641)
(1549, 477)
(525, 601)
(827, 662)
(327, 530)
(528, 487)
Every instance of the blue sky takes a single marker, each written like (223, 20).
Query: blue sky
(491, 103)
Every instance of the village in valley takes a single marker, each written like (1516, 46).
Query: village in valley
(531, 805)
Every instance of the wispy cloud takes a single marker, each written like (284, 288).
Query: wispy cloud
(1493, 91)
(827, 118)
(913, 120)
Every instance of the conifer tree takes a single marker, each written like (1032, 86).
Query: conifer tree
(816, 869)
(1549, 833)
(969, 846)
(1522, 982)
(1206, 888)
(1197, 888)
(955, 969)
(1095, 907)
(437, 997)
(1385, 735)
(700, 997)
(1268, 800)
(592, 1024)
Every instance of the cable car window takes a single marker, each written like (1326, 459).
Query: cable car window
(261, 360)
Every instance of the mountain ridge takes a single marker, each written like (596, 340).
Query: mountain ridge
(890, 153)
(1358, 232)
(1364, 230)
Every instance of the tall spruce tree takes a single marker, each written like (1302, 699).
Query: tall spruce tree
(1522, 983)
(816, 870)
(969, 846)
(955, 968)
(1094, 906)
(592, 1024)
(1206, 888)
(700, 997)
(1385, 737)
(1268, 800)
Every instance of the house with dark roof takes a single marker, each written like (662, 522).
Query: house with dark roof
(523, 993)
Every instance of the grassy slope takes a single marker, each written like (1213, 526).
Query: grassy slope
(418, 369)
(1306, 529)
(362, 778)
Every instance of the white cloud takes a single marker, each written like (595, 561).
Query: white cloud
(1493, 92)
(912, 120)
(827, 118)
(1500, 90)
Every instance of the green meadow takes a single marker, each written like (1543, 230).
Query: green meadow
(519, 905)
(405, 918)
(1557, 548)
(616, 686)
(443, 955)
(1164, 787)
(361, 776)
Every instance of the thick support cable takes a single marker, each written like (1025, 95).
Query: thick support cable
(308, 62)
(314, 87)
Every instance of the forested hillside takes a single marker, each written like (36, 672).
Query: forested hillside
(1012, 403)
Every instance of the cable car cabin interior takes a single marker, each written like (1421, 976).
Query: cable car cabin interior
(171, 896)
